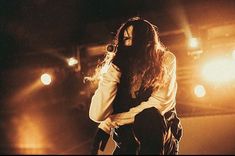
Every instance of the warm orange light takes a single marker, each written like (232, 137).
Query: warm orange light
(199, 91)
(193, 43)
(220, 70)
(26, 91)
(72, 61)
(233, 54)
(30, 137)
(46, 79)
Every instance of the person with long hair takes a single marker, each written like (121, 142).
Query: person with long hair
(135, 101)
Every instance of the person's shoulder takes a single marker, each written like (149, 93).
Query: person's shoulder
(169, 57)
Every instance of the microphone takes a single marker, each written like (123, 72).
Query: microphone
(111, 48)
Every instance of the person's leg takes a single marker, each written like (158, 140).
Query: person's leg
(150, 129)
(174, 133)
(171, 145)
(125, 141)
(130, 149)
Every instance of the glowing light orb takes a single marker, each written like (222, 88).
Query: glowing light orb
(199, 91)
(46, 79)
(72, 61)
(193, 43)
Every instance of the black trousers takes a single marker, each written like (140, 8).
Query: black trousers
(151, 136)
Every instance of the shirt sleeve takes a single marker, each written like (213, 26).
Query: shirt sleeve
(101, 102)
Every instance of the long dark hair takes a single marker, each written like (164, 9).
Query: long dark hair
(146, 57)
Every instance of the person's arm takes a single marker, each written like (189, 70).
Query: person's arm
(162, 99)
(101, 105)
(101, 102)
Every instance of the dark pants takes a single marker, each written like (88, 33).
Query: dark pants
(153, 134)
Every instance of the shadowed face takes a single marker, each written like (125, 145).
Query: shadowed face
(128, 36)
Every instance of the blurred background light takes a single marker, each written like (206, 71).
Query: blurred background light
(30, 136)
(233, 54)
(46, 79)
(193, 42)
(72, 61)
(219, 70)
(199, 91)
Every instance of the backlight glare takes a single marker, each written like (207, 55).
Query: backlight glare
(233, 54)
(193, 43)
(218, 71)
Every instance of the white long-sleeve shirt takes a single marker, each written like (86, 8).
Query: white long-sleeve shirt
(101, 104)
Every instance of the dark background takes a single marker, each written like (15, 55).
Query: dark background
(35, 24)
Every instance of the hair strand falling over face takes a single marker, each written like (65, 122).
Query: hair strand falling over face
(144, 52)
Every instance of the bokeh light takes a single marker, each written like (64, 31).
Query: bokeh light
(199, 91)
(46, 79)
(72, 61)
(193, 43)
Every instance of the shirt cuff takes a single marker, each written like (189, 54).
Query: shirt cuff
(104, 127)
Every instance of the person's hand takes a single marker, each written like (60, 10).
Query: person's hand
(100, 141)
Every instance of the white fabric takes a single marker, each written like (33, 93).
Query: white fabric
(101, 102)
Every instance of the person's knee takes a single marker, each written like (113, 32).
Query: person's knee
(149, 116)
(149, 124)
(149, 128)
